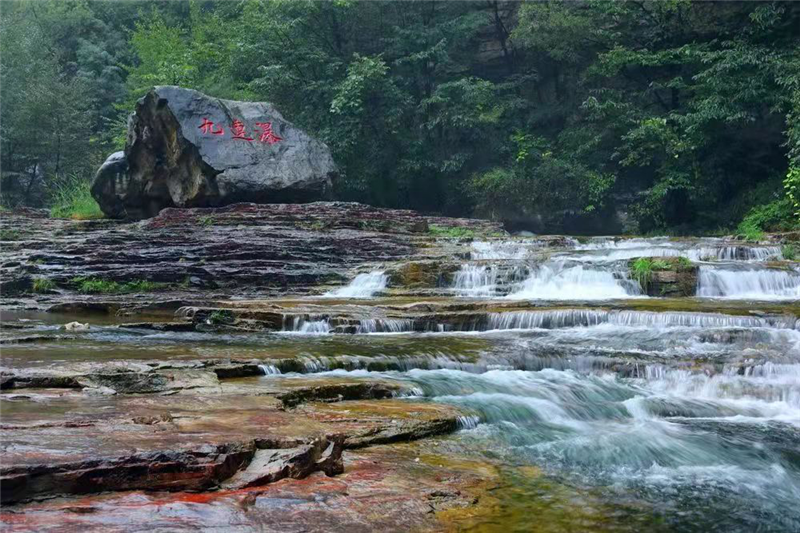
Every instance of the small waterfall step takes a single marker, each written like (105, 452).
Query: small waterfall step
(486, 281)
(755, 284)
(558, 281)
(364, 285)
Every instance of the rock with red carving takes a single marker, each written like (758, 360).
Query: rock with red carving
(187, 149)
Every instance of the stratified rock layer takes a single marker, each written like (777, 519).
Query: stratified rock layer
(249, 248)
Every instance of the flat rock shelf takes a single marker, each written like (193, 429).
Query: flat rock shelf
(337, 367)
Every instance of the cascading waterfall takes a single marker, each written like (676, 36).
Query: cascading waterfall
(476, 280)
(557, 281)
(606, 243)
(487, 281)
(384, 325)
(611, 255)
(269, 370)
(772, 369)
(364, 285)
(695, 437)
(609, 250)
(757, 284)
(692, 416)
(599, 270)
(310, 325)
(735, 253)
(559, 319)
(778, 385)
(307, 325)
(569, 318)
(608, 397)
(482, 250)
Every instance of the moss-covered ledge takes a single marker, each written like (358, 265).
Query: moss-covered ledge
(665, 276)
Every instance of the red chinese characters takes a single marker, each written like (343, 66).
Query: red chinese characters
(208, 127)
(267, 135)
(239, 132)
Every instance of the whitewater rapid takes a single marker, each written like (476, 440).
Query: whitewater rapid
(600, 269)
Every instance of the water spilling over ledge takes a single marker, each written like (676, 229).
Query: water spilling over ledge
(555, 353)
(537, 319)
(363, 286)
(760, 284)
(560, 282)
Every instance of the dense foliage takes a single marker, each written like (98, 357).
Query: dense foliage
(663, 115)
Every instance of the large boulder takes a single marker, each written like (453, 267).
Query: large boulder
(187, 149)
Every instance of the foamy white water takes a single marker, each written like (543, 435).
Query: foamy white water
(307, 326)
(756, 284)
(608, 250)
(606, 243)
(558, 282)
(671, 434)
(735, 253)
(476, 280)
(499, 250)
(362, 286)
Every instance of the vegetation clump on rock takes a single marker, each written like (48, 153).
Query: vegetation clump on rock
(665, 276)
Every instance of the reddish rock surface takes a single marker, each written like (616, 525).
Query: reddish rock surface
(383, 488)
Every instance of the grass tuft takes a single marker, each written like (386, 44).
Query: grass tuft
(220, 317)
(453, 232)
(72, 199)
(642, 271)
(642, 268)
(42, 285)
(104, 286)
(10, 234)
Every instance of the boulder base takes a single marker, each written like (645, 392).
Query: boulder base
(186, 149)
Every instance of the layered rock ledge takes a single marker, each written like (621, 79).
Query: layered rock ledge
(261, 250)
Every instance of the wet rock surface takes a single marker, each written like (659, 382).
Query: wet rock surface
(204, 370)
(60, 443)
(191, 253)
(675, 278)
(385, 487)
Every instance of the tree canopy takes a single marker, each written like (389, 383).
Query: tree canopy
(591, 115)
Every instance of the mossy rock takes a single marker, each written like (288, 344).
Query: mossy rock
(422, 274)
(665, 276)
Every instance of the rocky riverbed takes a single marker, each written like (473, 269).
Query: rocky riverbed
(338, 367)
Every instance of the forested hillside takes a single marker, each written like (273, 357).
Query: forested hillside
(587, 116)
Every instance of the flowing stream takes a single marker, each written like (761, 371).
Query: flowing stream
(600, 270)
(708, 452)
(756, 284)
(686, 410)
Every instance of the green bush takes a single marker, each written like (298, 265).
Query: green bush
(682, 263)
(774, 216)
(642, 270)
(72, 199)
(221, 317)
(104, 286)
(43, 285)
(791, 185)
(789, 252)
